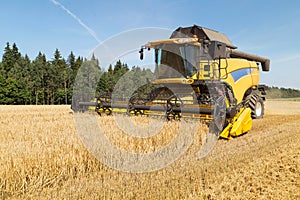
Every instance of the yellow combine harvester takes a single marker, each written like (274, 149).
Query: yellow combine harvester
(200, 74)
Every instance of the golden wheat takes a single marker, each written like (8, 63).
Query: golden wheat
(42, 157)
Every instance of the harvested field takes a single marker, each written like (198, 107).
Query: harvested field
(283, 107)
(43, 157)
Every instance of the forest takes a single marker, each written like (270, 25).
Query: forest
(280, 92)
(44, 82)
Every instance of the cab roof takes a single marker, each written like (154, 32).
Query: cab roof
(202, 33)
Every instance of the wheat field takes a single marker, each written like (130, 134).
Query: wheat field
(42, 156)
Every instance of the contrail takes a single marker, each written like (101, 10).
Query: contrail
(89, 30)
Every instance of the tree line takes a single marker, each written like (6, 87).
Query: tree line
(276, 92)
(38, 81)
(43, 82)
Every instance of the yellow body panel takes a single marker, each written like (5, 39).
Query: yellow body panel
(245, 81)
(240, 124)
(240, 74)
(243, 123)
(240, 83)
(208, 71)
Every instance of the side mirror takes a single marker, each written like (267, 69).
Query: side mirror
(141, 53)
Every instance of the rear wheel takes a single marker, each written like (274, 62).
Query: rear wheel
(256, 104)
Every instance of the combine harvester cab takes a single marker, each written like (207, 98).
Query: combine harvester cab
(200, 74)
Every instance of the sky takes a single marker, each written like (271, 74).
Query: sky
(268, 28)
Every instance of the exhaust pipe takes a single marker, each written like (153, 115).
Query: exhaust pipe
(265, 62)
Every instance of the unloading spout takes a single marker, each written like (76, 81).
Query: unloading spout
(265, 62)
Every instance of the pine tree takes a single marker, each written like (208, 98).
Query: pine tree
(24, 77)
(71, 61)
(118, 66)
(38, 78)
(14, 69)
(78, 64)
(16, 55)
(110, 69)
(7, 61)
(57, 79)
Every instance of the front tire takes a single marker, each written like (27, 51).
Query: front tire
(256, 104)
